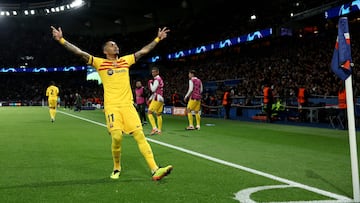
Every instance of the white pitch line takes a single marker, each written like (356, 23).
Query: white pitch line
(250, 170)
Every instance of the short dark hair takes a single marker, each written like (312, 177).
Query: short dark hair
(192, 71)
(104, 45)
(155, 68)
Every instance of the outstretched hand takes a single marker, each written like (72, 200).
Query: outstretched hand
(162, 33)
(57, 33)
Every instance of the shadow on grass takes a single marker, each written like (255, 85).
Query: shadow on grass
(312, 174)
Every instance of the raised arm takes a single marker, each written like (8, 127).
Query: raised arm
(58, 36)
(162, 34)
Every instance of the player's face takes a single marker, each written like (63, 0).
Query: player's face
(138, 84)
(111, 48)
(190, 75)
(154, 73)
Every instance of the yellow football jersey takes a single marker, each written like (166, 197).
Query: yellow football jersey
(52, 92)
(115, 77)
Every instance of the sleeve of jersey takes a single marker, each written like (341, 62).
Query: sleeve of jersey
(91, 60)
(130, 59)
(94, 62)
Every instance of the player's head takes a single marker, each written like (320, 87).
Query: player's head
(138, 83)
(110, 48)
(154, 71)
(192, 73)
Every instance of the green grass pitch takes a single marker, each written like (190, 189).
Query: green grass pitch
(226, 161)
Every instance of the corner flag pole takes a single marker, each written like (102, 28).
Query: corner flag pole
(352, 138)
(341, 64)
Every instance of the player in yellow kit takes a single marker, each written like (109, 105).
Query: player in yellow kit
(52, 93)
(121, 115)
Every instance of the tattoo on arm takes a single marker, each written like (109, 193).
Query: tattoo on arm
(74, 49)
(145, 50)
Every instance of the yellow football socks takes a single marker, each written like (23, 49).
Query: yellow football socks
(145, 149)
(159, 122)
(116, 138)
(152, 120)
(191, 119)
(197, 117)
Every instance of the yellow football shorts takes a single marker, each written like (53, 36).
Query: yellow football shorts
(194, 105)
(124, 118)
(52, 103)
(156, 106)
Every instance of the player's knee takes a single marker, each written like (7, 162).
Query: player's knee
(139, 136)
(116, 136)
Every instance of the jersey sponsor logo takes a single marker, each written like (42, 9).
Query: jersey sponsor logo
(110, 71)
(120, 71)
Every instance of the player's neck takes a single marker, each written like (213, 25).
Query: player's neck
(112, 57)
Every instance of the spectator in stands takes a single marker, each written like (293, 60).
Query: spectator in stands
(140, 100)
(193, 97)
(118, 98)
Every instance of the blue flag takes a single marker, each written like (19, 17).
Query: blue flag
(341, 62)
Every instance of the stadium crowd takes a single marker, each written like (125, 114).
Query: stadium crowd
(287, 62)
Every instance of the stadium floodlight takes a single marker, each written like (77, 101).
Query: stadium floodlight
(45, 8)
(77, 3)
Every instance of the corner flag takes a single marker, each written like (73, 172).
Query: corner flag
(341, 62)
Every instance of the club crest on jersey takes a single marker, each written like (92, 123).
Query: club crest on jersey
(110, 71)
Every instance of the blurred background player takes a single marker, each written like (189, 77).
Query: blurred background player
(175, 99)
(140, 101)
(226, 102)
(52, 93)
(268, 101)
(156, 87)
(194, 94)
(120, 112)
(77, 102)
